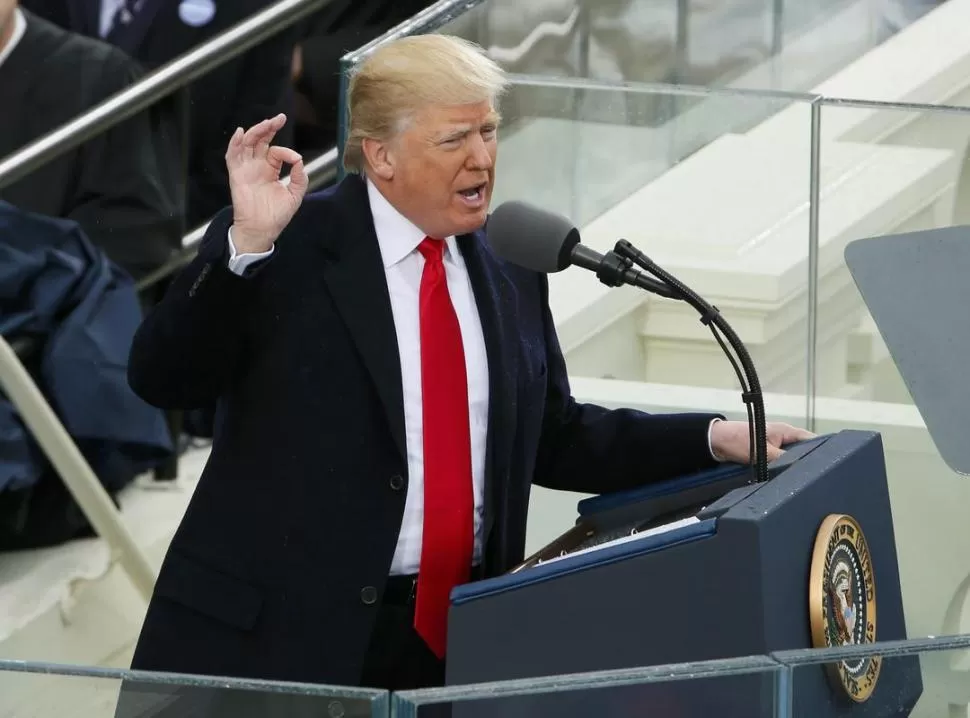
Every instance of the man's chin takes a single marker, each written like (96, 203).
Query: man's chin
(477, 224)
(470, 221)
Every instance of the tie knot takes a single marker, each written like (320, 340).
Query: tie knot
(432, 249)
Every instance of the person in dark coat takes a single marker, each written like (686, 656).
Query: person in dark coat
(239, 92)
(388, 392)
(121, 186)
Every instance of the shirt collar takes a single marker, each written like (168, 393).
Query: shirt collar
(19, 28)
(396, 234)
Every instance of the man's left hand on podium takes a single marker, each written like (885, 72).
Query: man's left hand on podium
(730, 440)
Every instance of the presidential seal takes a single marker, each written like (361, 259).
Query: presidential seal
(842, 602)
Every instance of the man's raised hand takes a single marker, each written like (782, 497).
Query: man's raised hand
(262, 203)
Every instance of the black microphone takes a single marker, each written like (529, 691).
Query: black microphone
(546, 242)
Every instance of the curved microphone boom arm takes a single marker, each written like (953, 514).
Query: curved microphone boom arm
(712, 318)
(546, 242)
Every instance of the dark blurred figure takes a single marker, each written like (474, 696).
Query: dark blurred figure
(339, 28)
(242, 92)
(121, 187)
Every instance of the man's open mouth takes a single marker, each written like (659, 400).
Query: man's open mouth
(474, 194)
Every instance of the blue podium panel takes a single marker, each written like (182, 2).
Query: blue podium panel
(647, 578)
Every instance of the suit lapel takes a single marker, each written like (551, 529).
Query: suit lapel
(497, 300)
(355, 277)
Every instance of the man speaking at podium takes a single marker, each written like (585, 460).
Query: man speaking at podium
(388, 392)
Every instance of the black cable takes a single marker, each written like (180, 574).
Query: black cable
(744, 388)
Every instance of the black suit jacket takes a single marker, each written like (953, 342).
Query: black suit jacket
(243, 91)
(121, 186)
(293, 525)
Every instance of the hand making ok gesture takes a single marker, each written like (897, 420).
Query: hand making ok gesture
(262, 203)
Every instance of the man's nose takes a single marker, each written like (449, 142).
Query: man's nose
(479, 156)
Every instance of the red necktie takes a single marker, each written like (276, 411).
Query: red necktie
(447, 540)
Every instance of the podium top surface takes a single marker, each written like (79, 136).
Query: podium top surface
(916, 288)
(682, 484)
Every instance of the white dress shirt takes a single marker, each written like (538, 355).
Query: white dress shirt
(19, 28)
(403, 265)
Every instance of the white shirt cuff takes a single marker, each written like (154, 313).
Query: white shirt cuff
(238, 263)
(710, 445)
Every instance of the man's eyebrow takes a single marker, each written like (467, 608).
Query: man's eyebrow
(457, 131)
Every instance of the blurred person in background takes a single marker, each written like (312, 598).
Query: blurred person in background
(121, 186)
(342, 26)
(242, 91)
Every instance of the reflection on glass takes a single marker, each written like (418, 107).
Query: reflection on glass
(37, 689)
(753, 44)
(759, 44)
(749, 686)
(921, 679)
(592, 145)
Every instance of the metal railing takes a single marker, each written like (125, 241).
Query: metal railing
(153, 87)
(15, 381)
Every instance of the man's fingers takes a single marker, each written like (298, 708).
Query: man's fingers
(276, 156)
(783, 434)
(279, 155)
(254, 133)
(259, 136)
(234, 149)
(254, 142)
(791, 434)
(773, 452)
(298, 179)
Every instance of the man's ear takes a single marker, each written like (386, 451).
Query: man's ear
(378, 158)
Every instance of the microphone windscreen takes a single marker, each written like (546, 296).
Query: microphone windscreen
(531, 237)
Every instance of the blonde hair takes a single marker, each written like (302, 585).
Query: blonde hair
(408, 74)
